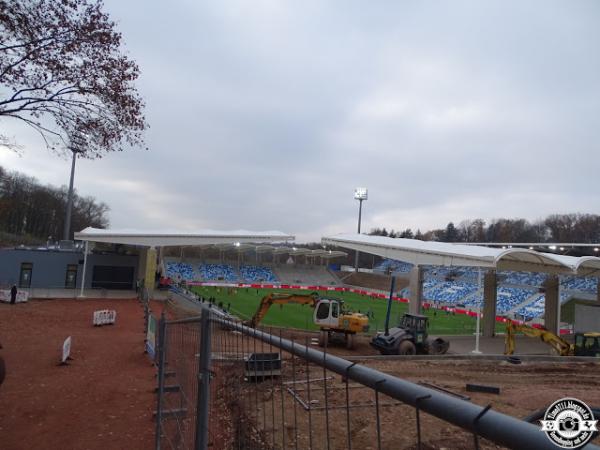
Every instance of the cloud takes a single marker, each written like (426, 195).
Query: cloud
(266, 115)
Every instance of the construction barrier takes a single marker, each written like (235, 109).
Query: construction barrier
(22, 296)
(104, 317)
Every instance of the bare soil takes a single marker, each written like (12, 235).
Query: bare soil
(524, 389)
(103, 399)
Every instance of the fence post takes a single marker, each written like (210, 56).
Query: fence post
(162, 328)
(203, 382)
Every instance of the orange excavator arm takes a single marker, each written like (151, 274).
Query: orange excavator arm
(280, 299)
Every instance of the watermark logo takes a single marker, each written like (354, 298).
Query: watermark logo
(569, 423)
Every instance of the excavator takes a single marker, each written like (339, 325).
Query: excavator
(586, 344)
(330, 316)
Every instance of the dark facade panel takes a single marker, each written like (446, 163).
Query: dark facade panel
(54, 269)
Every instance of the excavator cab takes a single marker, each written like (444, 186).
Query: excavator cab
(327, 313)
(587, 344)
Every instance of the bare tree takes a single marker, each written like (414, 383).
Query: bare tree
(28, 208)
(63, 72)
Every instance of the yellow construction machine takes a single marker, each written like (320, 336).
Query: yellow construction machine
(329, 315)
(586, 344)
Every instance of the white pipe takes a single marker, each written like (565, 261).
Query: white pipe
(477, 333)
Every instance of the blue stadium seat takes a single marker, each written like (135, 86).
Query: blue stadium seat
(217, 272)
(176, 270)
(257, 274)
(393, 267)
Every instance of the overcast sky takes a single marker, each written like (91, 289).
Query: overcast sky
(267, 114)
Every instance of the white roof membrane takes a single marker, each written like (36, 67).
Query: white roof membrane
(164, 238)
(446, 254)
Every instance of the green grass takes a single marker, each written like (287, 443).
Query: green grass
(244, 302)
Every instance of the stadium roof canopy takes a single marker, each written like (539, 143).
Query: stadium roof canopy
(165, 238)
(445, 254)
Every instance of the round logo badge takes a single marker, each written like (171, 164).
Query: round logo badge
(569, 423)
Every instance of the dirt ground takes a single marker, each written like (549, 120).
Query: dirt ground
(102, 400)
(524, 389)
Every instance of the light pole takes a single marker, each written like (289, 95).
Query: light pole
(75, 150)
(360, 194)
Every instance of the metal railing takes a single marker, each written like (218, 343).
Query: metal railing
(227, 386)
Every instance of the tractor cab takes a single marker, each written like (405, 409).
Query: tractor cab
(587, 344)
(416, 325)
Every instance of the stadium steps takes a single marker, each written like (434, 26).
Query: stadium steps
(472, 295)
(529, 300)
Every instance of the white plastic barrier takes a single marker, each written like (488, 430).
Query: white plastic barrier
(104, 317)
(22, 296)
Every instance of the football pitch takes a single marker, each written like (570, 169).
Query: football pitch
(243, 303)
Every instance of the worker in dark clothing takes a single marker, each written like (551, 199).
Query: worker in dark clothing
(13, 295)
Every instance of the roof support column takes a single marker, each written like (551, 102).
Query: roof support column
(150, 269)
(141, 269)
(552, 304)
(490, 294)
(416, 290)
(598, 291)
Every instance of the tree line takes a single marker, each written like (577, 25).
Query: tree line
(568, 228)
(28, 208)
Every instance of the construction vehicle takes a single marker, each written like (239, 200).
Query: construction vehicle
(409, 338)
(586, 344)
(329, 315)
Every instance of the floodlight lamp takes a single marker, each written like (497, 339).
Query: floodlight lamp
(294, 248)
(361, 193)
(530, 248)
(562, 248)
(552, 247)
(596, 249)
(237, 244)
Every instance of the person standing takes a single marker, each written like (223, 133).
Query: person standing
(2, 368)
(13, 294)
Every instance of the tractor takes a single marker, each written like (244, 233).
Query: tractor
(410, 337)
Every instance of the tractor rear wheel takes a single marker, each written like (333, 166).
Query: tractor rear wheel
(407, 348)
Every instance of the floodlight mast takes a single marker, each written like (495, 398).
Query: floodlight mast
(360, 194)
(75, 147)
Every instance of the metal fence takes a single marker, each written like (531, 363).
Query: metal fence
(179, 382)
(223, 385)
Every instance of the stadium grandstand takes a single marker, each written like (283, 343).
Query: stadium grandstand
(518, 294)
(245, 263)
(267, 257)
(519, 283)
